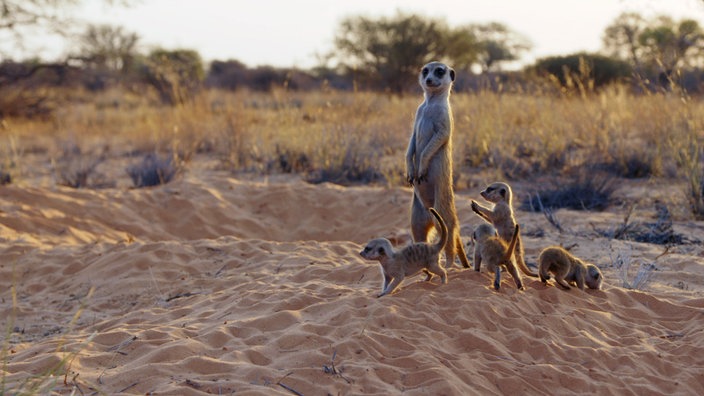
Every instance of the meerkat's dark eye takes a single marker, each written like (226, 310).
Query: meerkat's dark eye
(425, 72)
(440, 72)
(489, 189)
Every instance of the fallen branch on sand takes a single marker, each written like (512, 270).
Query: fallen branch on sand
(334, 370)
(288, 388)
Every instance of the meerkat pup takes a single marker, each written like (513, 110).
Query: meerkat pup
(398, 264)
(567, 268)
(502, 218)
(429, 161)
(496, 253)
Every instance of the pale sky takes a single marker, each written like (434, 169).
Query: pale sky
(289, 33)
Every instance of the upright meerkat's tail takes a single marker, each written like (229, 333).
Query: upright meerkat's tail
(461, 253)
(521, 261)
(524, 268)
(443, 230)
(512, 245)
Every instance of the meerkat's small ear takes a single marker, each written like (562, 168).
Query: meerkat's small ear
(382, 251)
(452, 74)
(503, 192)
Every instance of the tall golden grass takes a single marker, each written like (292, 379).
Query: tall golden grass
(361, 137)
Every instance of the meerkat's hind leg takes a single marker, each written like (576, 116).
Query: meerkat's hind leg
(428, 275)
(544, 278)
(562, 282)
(497, 278)
(436, 268)
(461, 252)
(450, 250)
(516, 276)
(421, 221)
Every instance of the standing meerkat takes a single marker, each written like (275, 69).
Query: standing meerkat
(496, 253)
(396, 265)
(501, 217)
(567, 268)
(429, 161)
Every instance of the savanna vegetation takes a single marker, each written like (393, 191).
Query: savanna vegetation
(633, 111)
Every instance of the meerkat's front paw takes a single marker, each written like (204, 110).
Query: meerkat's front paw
(475, 206)
(412, 179)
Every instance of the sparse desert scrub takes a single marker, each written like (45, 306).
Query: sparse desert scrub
(525, 135)
(582, 190)
(690, 154)
(359, 137)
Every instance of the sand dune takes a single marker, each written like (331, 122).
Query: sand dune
(213, 285)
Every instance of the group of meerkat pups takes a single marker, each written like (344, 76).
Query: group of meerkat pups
(497, 242)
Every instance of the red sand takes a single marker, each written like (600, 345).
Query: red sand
(212, 285)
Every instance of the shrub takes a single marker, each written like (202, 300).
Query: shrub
(583, 67)
(660, 232)
(5, 177)
(176, 75)
(585, 192)
(77, 169)
(353, 168)
(154, 170)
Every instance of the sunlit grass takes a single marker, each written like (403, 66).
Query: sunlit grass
(360, 137)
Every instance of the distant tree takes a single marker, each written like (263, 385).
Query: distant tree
(18, 14)
(388, 51)
(175, 74)
(657, 46)
(229, 74)
(621, 38)
(588, 70)
(498, 44)
(107, 47)
(672, 44)
(21, 18)
(107, 53)
(18, 81)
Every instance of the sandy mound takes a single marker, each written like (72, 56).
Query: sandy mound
(212, 285)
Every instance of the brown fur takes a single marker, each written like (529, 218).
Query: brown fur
(429, 161)
(567, 268)
(495, 253)
(398, 264)
(501, 217)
